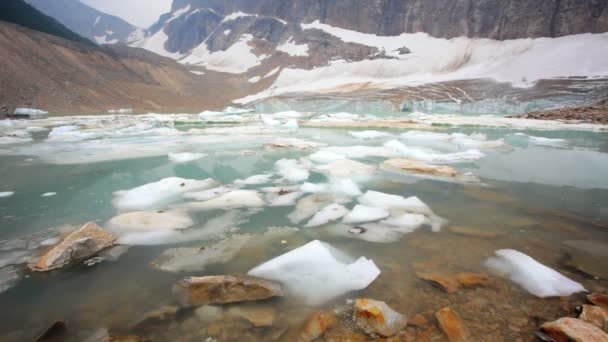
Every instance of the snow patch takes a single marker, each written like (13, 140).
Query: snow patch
(291, 48)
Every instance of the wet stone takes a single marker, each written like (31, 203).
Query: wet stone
(598, 299)
(595, 315)
(209, 313)
(452, 283)
(418, 320)
(376, 317)
(573, 329)
(196, 291)
(78, 245)
(317, 325)
(452, 325)
(258, 315)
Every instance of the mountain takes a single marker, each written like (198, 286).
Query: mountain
(19, 12)
(88, 22)
(496, 19)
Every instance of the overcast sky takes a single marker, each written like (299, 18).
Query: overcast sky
(141, 13)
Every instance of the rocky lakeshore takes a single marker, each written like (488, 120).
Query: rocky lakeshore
(597, 114)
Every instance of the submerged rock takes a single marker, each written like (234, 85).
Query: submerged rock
(573, 329)
(152, 319)
(79, 245)
(595, 315)
(258, 315)
(195, 291)
(451, 283)
(186, 259)
(452, 325)
(419, 167)
(598, 299)
(317, 325)
(478, 233)
(376, 317)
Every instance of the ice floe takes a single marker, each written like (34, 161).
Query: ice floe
(215, 228)
(229, 200)
(531, 275)
(48, 194)
(208, 194)
(379, 199)
(369, 135)
(30, 111)
(6, 194)
(151, 220)
(255, 180)
(338, 186)
(293, 170)
(317, 272)
(325, 157)
(158, 194)
(370, 232)
(430, 155)
(185, 157)
(346, 168)
(362, 213)
(328, 214)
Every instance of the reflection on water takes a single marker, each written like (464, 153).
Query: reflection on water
(533, 198)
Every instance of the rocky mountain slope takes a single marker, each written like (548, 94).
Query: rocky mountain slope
(95, 79)
(88, 22)
(496, 19)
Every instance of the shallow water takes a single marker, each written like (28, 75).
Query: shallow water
(534, 197)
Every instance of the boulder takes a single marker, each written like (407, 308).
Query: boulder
(573, 329)
(223, 289)
(595, 315)
(598, 299)
(452, 325)
(376, 317)
(317, 325)
(76, 246)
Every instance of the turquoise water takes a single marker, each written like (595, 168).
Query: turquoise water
(534, 197)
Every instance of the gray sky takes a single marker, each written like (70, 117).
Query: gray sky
(141, 13)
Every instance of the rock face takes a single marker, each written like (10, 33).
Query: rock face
(573, 329)
(441, 18)
(377, 317)
(195, 291)
(79, 245)
(452, 325)
(89, 22)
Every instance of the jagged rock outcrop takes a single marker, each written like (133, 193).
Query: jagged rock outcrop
(495, 19)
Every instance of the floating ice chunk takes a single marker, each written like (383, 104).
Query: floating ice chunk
(314, 188)
(317, 272)
(234, 110)
(342, 186)
(293, 170)
(290, 114)
(229, 200)
(48, 194)
(215, 228)
(13, 140)
(541, 141)
(368, 135)
(158, 194)
(328, 214)
(379, 199)
(359, 151)
(30, 111)
(255, 180)
(362, 213)
(6, 194)
(291, 124)
(208, 194)
(283, 200)
(325, 157)
(267, 120)
(294, 143)
(150, 221)
(432, 156)
(405, 223)
(185, 157)
(309, 205)
(533, 276)
(36, 129)
(346, 168)
(422, 136)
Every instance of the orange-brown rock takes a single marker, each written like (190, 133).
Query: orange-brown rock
(376, 317)
(452, 325)
(317, 325)
(451, 283)
(598, 299)
(223, 289)
(417, 166)
(258, 315)
(595, 315)
(418, 321)
(573, 329)
(78, 245)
